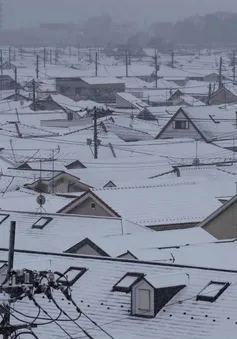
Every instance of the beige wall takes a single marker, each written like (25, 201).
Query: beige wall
(85, 208)
(224, 226)
(88, 250)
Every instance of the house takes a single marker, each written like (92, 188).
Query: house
(100, 89)
(208, 123)
(223, 95)
(149, 205)
(146, 114)
(222, 223)
(7, 82)
(59, 183)
(129, 298)
(129, 101)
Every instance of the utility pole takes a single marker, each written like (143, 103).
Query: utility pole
(172, 58)
(50, 56)
(78, 52)
(44, 57)
(9, 54)
(234, 67)
(21, 52)
(10, 267)
(209, 94)
(14, 54)
(96, 64)
(1, 61)
(220, 73)
(95, 134)
(126, 63)
(37, 67)
(34, 98)
(156, 68)
(16, 84)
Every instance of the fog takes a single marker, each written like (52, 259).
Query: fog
(25, 13)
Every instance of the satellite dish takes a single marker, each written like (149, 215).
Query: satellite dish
(41, 200)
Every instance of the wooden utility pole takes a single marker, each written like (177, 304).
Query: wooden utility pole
(78, 52)
(50, 56)
(156, 68)
(234, 67)
(95, 134)
(45, 57)
(209, 94)
(172, 58)
(9, 54)
(126, 61)
(21, 52)
(10, 267)
(96, 64)
(220, 73)
(34, 96)
(1, 56)
(37, 67)
(16, 84)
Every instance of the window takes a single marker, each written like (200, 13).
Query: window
(3, 217)
(42, 222)
(72, 274)
(180, 124)
(93, 205)
(127, 281)
(144, 300)
(212, 291)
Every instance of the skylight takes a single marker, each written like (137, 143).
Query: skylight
(42, 222)
(126, 282)
(3, 217)
(212, 291)
(72, 274)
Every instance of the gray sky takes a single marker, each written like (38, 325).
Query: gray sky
(22, 13)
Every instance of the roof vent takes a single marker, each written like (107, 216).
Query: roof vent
(151, 293)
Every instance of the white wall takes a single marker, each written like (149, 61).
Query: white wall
(143, 299)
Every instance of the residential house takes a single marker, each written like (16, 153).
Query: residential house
(58, 183)
(129, 101)
(7, 82)
(222, 223)
(223, 95)
(100, 89)
(208, 123)
(150, 205)
(131, 298)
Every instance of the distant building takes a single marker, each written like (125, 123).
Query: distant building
(99, 89)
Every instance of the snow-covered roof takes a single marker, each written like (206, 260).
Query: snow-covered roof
(102, 80)
(183, 315)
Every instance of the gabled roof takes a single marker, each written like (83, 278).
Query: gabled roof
(84, 242)
(85, 196)
(219, 211)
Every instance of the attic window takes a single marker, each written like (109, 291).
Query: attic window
(93, 205)
(3, 217)
(127, 281)
(71, 275)
(212, 291)
(42, 222)
(180, 124)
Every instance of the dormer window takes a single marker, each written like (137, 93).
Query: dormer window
(42, 222)
(180, 124)
(127, 281)
(151, 293)
(71, 275)
(212, 291)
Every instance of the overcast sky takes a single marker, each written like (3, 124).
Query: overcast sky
(22, 13)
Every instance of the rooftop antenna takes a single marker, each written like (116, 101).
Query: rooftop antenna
(53, 169)
(13, 153)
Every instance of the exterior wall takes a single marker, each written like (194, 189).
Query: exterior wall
(88, 250)
(121, 103)
(77, 89)
(223, 97)
(224, 226)
(126, 256)
(137, 303)
(86, 209)
(45, 105)
(170, 132)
